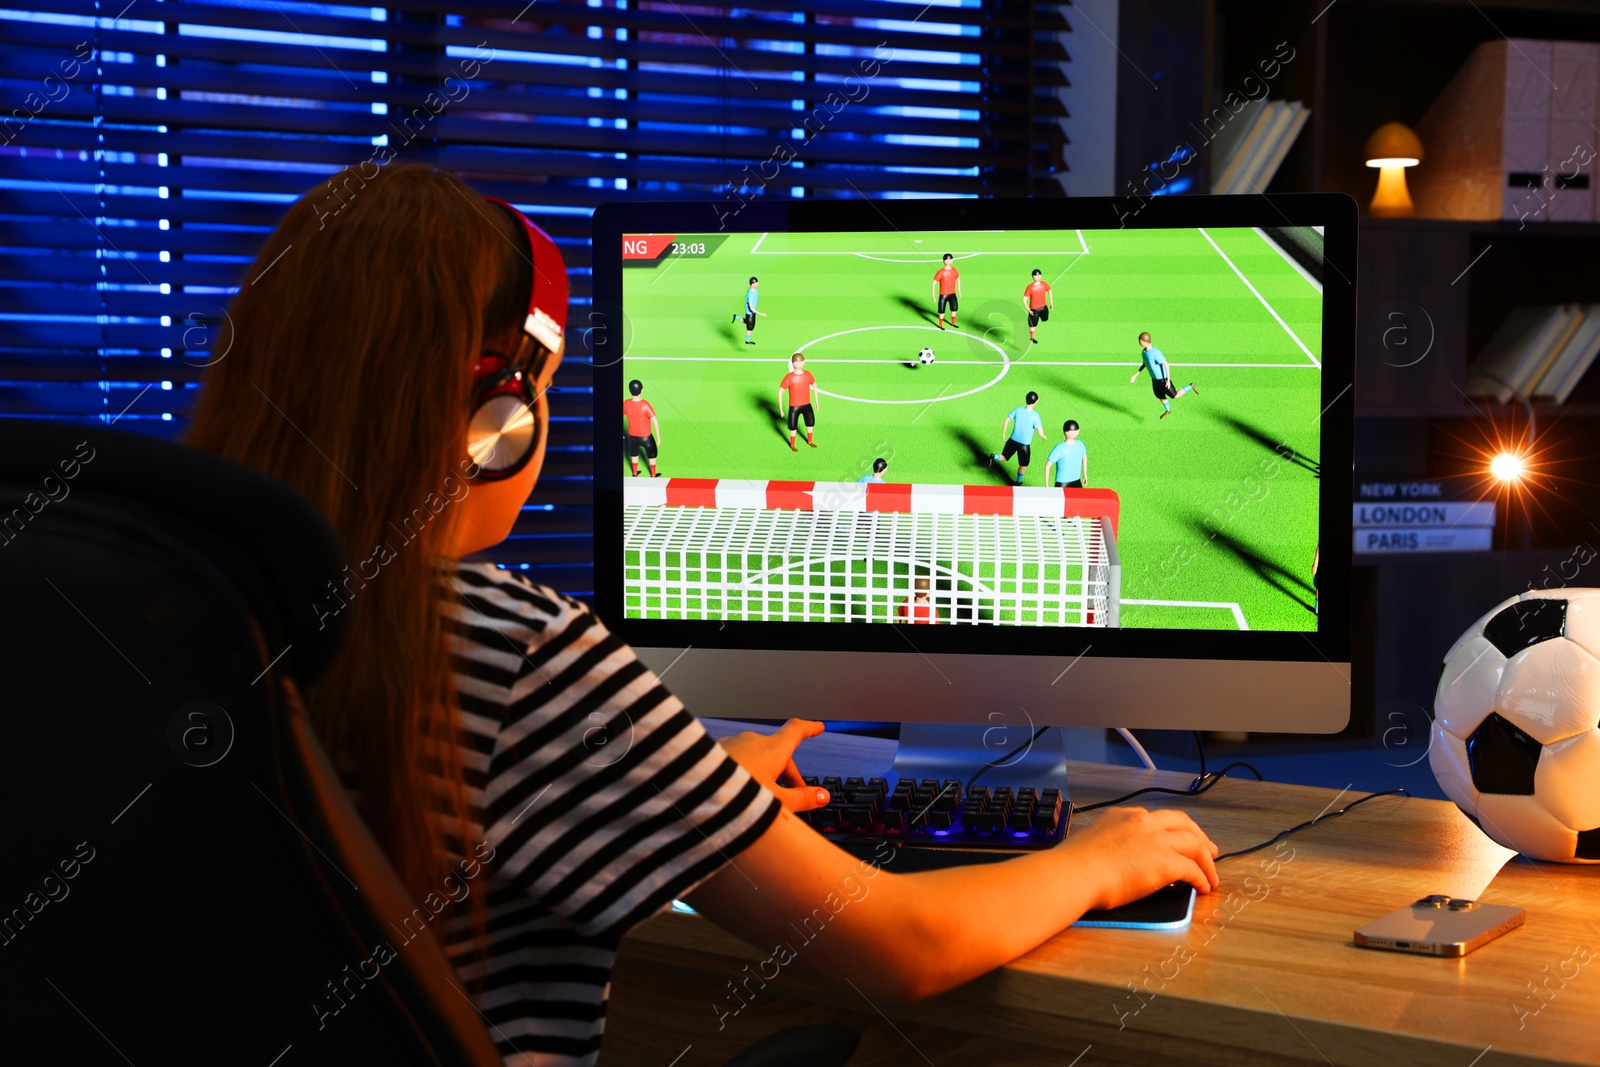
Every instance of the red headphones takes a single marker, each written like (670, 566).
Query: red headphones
(503, 432)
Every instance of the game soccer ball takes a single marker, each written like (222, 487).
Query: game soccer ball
(1516, 730)
(925, 357)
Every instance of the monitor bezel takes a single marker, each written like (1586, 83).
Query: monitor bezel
(607, 331)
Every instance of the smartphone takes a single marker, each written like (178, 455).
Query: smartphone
(1440, 925)
(1168, 908)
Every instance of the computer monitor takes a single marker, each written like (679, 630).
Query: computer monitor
(1199, 580)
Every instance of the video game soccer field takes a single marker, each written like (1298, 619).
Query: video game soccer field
(1219, 499)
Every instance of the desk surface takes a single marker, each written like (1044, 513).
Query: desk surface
(1267, 973)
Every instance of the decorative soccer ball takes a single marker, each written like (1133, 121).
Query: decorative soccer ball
(925, 357)
(1516, 728)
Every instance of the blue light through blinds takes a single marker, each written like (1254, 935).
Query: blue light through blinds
(143, 159)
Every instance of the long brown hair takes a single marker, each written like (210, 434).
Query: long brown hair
(345, 370)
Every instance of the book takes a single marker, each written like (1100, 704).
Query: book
(1225, 145)
(1574, 359)
(1528, 367)
(1536, 362)
(1244, 181)
(1243, 147)
(1524, 329)
(1269, 168)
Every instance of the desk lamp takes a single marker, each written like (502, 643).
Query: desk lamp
(1392, 148)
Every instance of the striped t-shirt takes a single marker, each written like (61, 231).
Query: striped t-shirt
(602, 798)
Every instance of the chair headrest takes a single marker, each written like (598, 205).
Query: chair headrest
(289, 544)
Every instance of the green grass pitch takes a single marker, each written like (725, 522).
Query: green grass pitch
(1219, 500)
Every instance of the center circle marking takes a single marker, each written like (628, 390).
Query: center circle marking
(1005, 365)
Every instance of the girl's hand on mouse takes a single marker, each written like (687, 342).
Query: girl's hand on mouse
(770, 760)
(1132, 852)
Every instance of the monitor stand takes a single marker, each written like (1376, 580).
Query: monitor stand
(944, 750)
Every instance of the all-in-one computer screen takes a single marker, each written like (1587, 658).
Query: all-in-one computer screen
(1083, 462)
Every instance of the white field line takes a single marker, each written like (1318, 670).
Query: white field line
(1261, 298)
(935, 259)
(1238, 615)
(1083, 244)
(783, 359)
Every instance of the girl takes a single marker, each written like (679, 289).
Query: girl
(385, 357)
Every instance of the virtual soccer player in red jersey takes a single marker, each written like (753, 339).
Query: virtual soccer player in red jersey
(919, 608)
(644, 429)
(799, 386)
(947, 287)
(1037, 299)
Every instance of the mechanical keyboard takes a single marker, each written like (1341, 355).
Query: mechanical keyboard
(930, 812)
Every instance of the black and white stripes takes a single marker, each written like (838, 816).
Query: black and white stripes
(602, 797)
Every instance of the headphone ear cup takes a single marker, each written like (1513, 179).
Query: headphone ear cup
(503, 432)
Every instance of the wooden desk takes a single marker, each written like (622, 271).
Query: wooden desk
(1267, 973)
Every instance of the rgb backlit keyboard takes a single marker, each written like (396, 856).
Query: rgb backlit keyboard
(933, 812)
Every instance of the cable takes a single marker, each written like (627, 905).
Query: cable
(1198, 786)
(1202, 781)
(1311, 822)
(1205, 780)
(995, 763)
(1133, 743)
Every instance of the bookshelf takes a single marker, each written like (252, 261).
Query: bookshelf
(1453, 283)
(1357, 64)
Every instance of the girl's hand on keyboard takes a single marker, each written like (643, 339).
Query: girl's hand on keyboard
(770, 760)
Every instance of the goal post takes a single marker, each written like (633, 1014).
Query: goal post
(703, 548)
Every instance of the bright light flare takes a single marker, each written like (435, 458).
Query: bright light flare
(1507, 467)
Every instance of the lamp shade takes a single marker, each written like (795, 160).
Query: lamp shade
(1393, 144)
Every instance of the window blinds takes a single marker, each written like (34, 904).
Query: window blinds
(147, 147)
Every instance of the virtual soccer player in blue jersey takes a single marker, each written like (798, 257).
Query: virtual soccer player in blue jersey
(1160, 378)
(1020, 426)
(879, 465)
(1068, 464)
(752, 297)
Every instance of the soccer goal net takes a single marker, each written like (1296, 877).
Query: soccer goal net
(846, 552)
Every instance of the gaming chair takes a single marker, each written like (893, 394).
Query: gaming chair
(185, 879)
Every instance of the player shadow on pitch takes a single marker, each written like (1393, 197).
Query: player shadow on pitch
(924, 312)
(729, 331)
(768, 409)
(981, 455)
(1281, 448)
(1075, 391)
(1286, 582)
